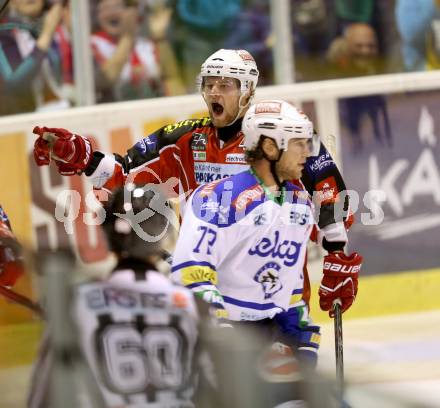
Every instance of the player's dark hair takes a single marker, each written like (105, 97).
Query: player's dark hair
(257, 153)
(122, 207)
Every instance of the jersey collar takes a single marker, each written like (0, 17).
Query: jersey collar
(277, 198)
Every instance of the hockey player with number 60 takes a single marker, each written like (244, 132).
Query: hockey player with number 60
(144, 338)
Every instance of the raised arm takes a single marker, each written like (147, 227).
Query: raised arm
(14, 76)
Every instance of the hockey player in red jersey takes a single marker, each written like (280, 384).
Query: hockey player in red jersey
(198, 151)
(11, 263)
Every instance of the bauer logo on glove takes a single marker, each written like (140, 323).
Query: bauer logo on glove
(340, 280)
(338, 267)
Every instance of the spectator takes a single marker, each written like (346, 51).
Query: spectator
(349, 11)
(251, 30)
(158, 16)
(379, 14)
(313, 24)
(356, 54)
(29, 60)
(199, 28)
(63, 39)
(416, 24)
(130, 63)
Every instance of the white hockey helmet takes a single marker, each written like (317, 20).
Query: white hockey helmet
(278, 120)
(238, 64)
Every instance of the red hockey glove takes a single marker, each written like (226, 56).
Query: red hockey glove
(11, 266)
(71, 153)
(340, 280)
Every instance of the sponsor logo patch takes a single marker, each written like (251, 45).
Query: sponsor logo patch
(299, 217)
(327, 191)
(146, 144)
(247, 196)
(199, 141)
(209, 172)
(236, 158)
(321, 163)
(253, 316)
(187, 122)
(286, 250)
(268, 107)
(260, 219)
(199, 156)
(197, 274)
(208, 189)
(245, 55)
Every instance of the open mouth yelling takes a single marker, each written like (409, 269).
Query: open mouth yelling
(217, 108)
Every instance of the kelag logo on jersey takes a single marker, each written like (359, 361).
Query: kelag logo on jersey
(268, 277)
(286, 250)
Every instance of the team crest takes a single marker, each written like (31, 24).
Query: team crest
(199, 141)
(268, 277)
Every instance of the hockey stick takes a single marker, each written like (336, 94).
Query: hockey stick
(5, 4)
(21, 300)
(339, 348)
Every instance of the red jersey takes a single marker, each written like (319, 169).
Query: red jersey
(11, 266)
(193, 152)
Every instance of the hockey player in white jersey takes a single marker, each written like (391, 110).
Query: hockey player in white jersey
(139, 332)
(242, 244)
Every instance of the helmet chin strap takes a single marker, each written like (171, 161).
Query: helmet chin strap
(240, 110)
(273, 170)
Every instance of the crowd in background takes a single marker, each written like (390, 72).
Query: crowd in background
(150, 48)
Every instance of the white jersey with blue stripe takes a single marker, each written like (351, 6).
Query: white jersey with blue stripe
(242, 249)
